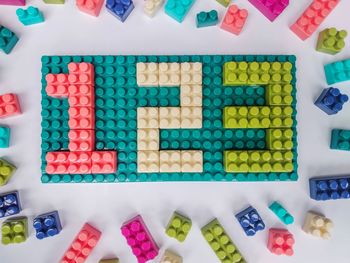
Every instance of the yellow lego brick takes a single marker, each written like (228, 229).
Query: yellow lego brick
(6, 171)
(278, 94)
(281, 117)
(111, 260)
(279, 139)
(148, 161)
(246, 117)
(178, 227)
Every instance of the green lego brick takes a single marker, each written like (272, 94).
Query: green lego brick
(337, 72)
(225, 3)
(340, 140)
(279, 94)
(221, 243)
(280, 139)
(6, 171)
(14, 230)
(178, 227)
(4, 137)
(331, 41)
(54, 2)
(113, 260)
(178, 9)
(8, 40)
(205, 19)
(30, 16)
(281, 213)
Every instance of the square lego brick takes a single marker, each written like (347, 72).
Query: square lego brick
(169, 117)
(279, 94)
(81, 73)
(14, 230)
(9, 204)
(103, 162)
(340, 140)
(151, 7)
(330, 187)
(192, 161)
(110, 260)
(9, 105)
(147, 117)
(331, 41)
(47, 225)
(191, 73)
(57, 85)
(170, 161)
(280, 242)
(81, 95)
(250, 221)
(191, 95)
(281, 213)
(170, 257)
(121, 9)
(6, 171)
(191, 117)
(8, 39)
(279, 139)
(147, 74)
(178, 9)
(169, 74)
(4, 137)
(148, 161)
(271, 9)
(178, 227)
(81, 118)
(148, 139)
(331, 101)
(317, 225)
(234, 20)
(30, 16)
(81, 140)
(91, 7)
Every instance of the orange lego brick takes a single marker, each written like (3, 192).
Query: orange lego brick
(234, 19)
(280, 242)
(81, 118)
(57, 85)
(81, 140)
(81, 73)
(68, 162)
(9, 105)
(91, 7)
(81, 95)
(104, 162)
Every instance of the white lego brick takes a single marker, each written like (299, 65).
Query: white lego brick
(147, 74)
(148, 139)
(170, 161)
(151, 7)
(317, 225)
(169, 74)
(191, 95)
(170, 257)
(191, 73)
(148, 161)
(169, 117)
(147, 117)
(191, 161)
(191, 117)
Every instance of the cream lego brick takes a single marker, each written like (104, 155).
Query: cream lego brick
(191, 95)
(151, 7)
(170, 161)
(317, 225)
(148, 139)
(147, 117)
(169, 74)
(170, 257)
(170, 117)
(191, 73)
(147, 74)
(148, 161)
(191, 161)
(191, 117)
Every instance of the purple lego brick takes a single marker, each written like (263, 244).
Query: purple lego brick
(250, 221)
(330, 187)
(121, 9)
(13, 2)
(9, 204)
(47, 225)
(331, 101)
(270, 8)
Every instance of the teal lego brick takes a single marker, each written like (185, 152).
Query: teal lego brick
(178, 9)
(8, 40)
(30, 16)
(4, 137)
(337, 72)
(281, 213)
(205, 19)
(340, 140)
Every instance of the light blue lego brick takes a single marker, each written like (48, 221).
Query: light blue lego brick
(47, 225)
(330, 188)
(8, 40)
(4, 137)
(30, 16)
(9, 204)
(250, 221)
(331, 101)
(337, 72)
(121, 9)
(178, 9)
(281, 213)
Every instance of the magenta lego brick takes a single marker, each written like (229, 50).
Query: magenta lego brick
(13, 2)
(270, 8)
(330, 188)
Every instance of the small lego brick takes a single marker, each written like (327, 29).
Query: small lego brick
(191, 73)
(81, 73)
(169, 117)
(103, 162)
(68, 162)
(170, 161)
(121, 9)
(191, 95)
(81, 95)
(148, 139)
(221, 243)
(330, 188)
(331, 41)
(151, 7)
(280, 242)
(279, 94)
(81, 140)
(91, 7)
(281, 117)
(191, 161)
(191, 117)
(147, 74)
(169, 74)
(313, 17)
(140, 239)
(281, 213)
(54, 2)
(147, 117)
(110, 260)
(317, 225)
(271, 9)
(331, 101)
(4, 137)
(9, 105)
(57, 85)
(8, 39)
(81, 118)
(337, 72)
(13, 2)
(234, 20)
(340, 140)
(279, 139)
(178, 9)
(178, 227)
(148, 161)
(47, 225)
(14, 230)
(205, 19)
(9, 204)
(225, 3)
(247, 117)
(30, 16)
(6, 171)
(170, 257)
(250, 221)
(83, 245)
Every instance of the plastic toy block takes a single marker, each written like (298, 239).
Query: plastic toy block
(103, 162)
(140, 239)
(30, 16)
(246, 117)
(83, 245)
(169, 117)
(191, 73)
(57, 85)
(147, 74)
(205, 19)
(169, 74)
(331, 101)
(9, 204)
(170, 257)
(313, 17)
(330, 188)
(14, 231)
(279, 94)
(147, 117)
(151, 7)
(331, 41)
(91, 7)
(112, 260)
(281, 213)
(317, 225)
(6, 171)
(279, 139)
(221, 243)
(13, 2)
(178, 9)
(191, 161)
(148, 139)
(81, 95)
(148, 161)
(68, 162)
(178, 227)
(270, 8)
(250, 221)
(81, 73)
(170, 161)
(81, 140)
(81, 118)
(121, 9)
(8, 39)
(225, 3)
(191, 95)
(191, 117)
(340, 140)
(9, 105)
(234, 20)
(47, 225)
(54, 2)
(280, 242)
(4, 137)
(337, 72)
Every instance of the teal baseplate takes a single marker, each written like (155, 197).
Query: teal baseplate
(117, 98)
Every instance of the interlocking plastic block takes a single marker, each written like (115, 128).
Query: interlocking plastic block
(91, 7)
(191, 73)
(14, 230)
(147, 74)
(221, 243)
(83, 245)
(68, 162)
(81, 95)
(331, 101)
(191, 95)
(340, 140)
(192, 161)
(81, 118)
(178, 9)
(6, 171)
(148, 139)
(205, 19)
(151, 7)
(170, 257)
(47, 225)
(170, 161)
(317, 225)
(9, 105)
(57, 85)
(54, 2)
(103, 162)
(147, 117)
(4, 137)
(250, 221)
(337, 72)
(30, 16)
(148, 161)
(8, 39)
(81, 140)
(13, 2)
(280, 242)
(9, 204)
(313, 17)
(225, 3)
(331, 41)
(271, 9)
(279, 94)
(178, 227)
(191, 117)
(234, 20)
(81, 73)
(121, 9)
(140, 239)
(281, 213)
(246, 117)
(169, 74)
(280, 139)
(169, 117)
(112, 260)
(330, 187)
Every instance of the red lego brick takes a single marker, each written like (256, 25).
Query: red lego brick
(81, 95)
(82, 246)
(57, 85)
(234, 19)
(68, 162)
(280, 242)
(91, 7)
(81, 118)
(81, 140)
(9, 105)
(104, 162)
(81, 73)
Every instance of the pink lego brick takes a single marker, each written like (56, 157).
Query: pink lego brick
(81, 73)
(81, 118)
(234, 20)
(68, 162)
(139, 239)
(104, 162)
(81, 95)
(13, 2)
(270, 8)
(91, 7)
(57, 85)
(81, 140)
(9, 105)
(280, 242)
(312, 17)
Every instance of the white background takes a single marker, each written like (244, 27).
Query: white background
(106, 206)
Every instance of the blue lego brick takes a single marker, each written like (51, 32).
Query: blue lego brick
(205, 19)
(250, 221)
(47, 225)
(30, 16)
(340, 140)
(330, 187)
(8, 40)
(178, 9)
(281, 213)
(121, 9)
(331, 101)
(337, 72)
(4, 137)
(9, 204)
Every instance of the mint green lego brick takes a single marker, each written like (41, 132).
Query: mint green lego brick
(8, 40)
(279, 139)
(30, 16)
(337, 72)
(331, 41)
(178, 227)
(6, 171)
(281, 213)
(225, 3)
(340, 140)
(221, 243)
(14, 230)
(178, 9)
(4, 137)
(278, 94)
(205, 19)
(54, 2)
